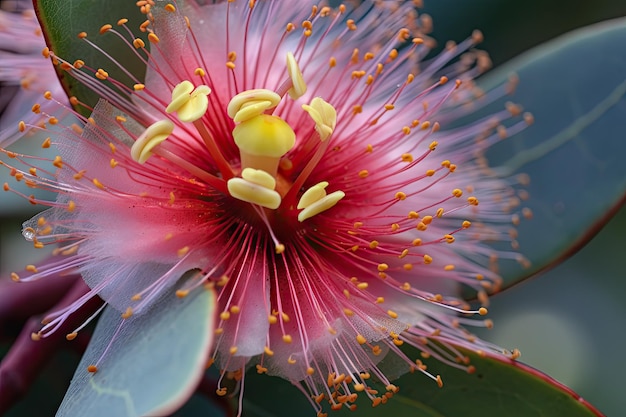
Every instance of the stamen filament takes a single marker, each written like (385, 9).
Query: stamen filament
(215, 182)
(290, 198)
(221, 162)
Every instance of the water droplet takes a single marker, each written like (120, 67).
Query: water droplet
(29, 233)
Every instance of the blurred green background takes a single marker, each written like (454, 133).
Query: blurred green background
(567, 322)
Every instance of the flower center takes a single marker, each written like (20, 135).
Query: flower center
(263, 139)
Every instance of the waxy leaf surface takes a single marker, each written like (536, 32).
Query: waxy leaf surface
(497, 388)
(575, 86)
(62, 21)
(150, 363)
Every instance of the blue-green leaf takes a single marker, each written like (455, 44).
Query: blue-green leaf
(62, 21)
(148, 364)
(498, 388)
(512, 27)
(575, 87)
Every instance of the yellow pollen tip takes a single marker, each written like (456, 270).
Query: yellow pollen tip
(321, 205)
(189, 102)
(105, 28)
(324, 115)
(250, 192)
(128, 313)
(482, 311)
(149, 139)
(259, 177)
(298, 85)
(313, 194)
(251, 103)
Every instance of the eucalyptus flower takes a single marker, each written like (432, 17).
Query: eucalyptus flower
(304, 163)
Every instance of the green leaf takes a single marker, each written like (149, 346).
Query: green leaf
(575, 87)
(506, 23)
(148, 364)
(571, 315)
(62, 21)
(497, 388)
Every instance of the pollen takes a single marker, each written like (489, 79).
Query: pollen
(298, 85)
(139, 43)
(324, 115)
(105, 28)
(189, 102)
(156, 133)
(182, 251)
(252, 192)
(321, 205)
(102, 74)
(127, 313)
(250, 103)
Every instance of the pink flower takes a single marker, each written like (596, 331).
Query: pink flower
(295, 159)
(23, 68)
